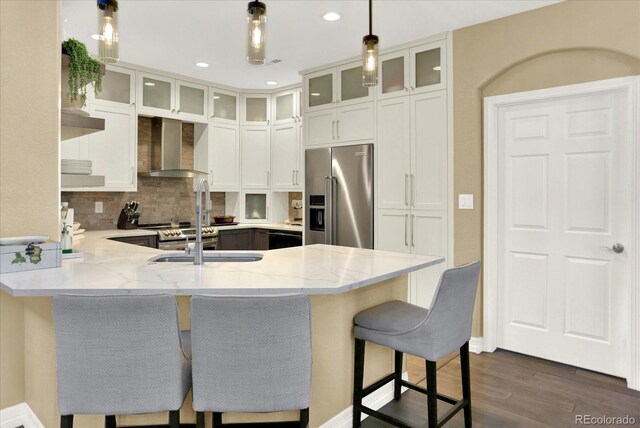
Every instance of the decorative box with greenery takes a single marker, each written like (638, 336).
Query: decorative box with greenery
(83, 70)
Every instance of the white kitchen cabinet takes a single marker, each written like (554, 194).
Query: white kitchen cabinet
(286, 106)
(224, 106)
(428, 237)
(256, 109)
(286, 157)
(393, 230)
(413, 71)
(336, 86)
(256, 206)
(344, 124)
(118, 88)
(166, 97)
(113, 152)
(224, 157)
(256, 157)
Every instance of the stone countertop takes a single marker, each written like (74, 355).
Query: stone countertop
(111, 267)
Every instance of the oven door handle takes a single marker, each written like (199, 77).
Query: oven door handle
(292, 235)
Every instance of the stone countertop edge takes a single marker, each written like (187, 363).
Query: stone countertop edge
(111, 267)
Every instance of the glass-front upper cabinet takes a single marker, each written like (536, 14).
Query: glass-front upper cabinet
(319, 90)
(255, 206)
(118, 87)
(413, 71)
(350, 86)
(156, 95)
(223, 106)
(256, 109)
(191, 101)
(286, 106)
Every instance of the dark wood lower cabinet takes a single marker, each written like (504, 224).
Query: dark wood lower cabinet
(260, 239)
(144, 240)
(235, 239)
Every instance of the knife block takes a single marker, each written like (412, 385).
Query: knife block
(123, 223)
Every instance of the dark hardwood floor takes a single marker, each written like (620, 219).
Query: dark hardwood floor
(514, 390)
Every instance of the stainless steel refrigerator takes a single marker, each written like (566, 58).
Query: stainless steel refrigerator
(339, 196)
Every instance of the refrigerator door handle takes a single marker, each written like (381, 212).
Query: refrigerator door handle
(328, 204)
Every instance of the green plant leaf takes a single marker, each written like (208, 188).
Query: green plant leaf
(83, 70)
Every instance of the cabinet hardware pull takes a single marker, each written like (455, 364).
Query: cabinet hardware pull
(338, 129)
(406, 89)
(178, 111)
(132, 172)
(173, 110)
(268, 179)
(412, 88)
(293, 177)
(413, 230)
(406, 221)
(211, 177)
(267, 121)
(333, 129)
(133, 104)
(406, 189)
(212, 116)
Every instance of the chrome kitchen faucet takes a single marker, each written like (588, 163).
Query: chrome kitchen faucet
(198, 258)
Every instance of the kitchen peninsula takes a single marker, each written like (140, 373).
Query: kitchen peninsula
(341, 282)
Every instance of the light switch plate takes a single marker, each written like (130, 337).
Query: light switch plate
(465, 202)
(98, 207)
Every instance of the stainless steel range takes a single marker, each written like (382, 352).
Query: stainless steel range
(171, 238)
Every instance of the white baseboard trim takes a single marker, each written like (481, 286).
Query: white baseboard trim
(20, 414)
(374, 401)
(475, 345)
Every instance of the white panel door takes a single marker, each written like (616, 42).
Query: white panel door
(393, 153)
(224, 156)
(320, 127)
(114, 151)
(355, 122)
(563, 171)
(393, 232)
(255, 157)
(428, 237)
(429, 151)
(284, 156)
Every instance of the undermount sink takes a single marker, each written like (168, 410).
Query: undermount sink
(208, 258)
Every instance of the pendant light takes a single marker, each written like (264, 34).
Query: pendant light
(108, 31)
(370, 55)
(256, 20)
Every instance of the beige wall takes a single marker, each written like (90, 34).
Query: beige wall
(570, 42)
(29, 128)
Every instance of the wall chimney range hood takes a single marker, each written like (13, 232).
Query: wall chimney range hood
(166, 150)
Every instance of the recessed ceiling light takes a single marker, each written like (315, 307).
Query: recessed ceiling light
(271, 82)
(95, 36)
(437, 68)
(216, 97)
(315, 94)
(331, 16)
(149, 84)
(202, 64)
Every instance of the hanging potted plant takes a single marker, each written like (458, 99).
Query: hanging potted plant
(79, 70)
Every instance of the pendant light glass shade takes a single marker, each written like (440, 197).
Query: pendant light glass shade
(370, 54)
(108, 31)
(256, 21)
(369, 60)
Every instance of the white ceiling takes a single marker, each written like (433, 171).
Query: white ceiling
(172, 35)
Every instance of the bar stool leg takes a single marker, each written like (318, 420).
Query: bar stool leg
(216, 419)
(432, 395)
(304, 418)
(110, 421)
(199, 419)
(466, 383)
(358, 378)
(174, 419)
(397, 388)
(66, 421)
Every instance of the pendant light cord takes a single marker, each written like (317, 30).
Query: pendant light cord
(370, 17)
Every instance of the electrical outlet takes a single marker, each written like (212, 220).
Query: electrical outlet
(99, 208)
(296, 203)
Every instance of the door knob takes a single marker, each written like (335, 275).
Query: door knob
(617, 248)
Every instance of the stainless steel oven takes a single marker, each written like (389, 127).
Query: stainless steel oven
(179, 245)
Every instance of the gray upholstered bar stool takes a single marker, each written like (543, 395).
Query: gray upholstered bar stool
(428, 333)
(251, 354)
(119, 355)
